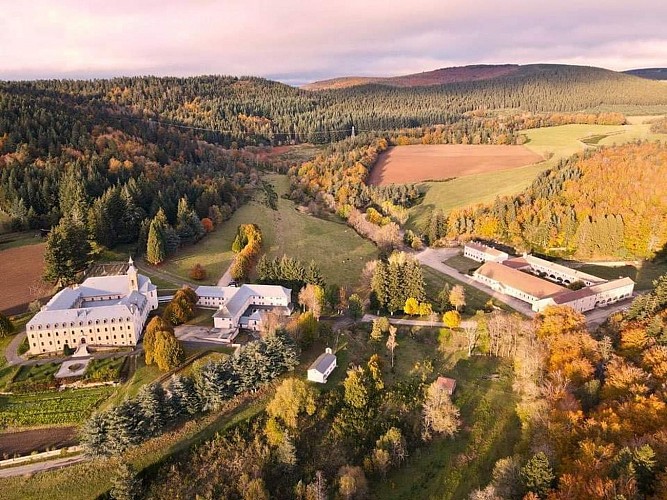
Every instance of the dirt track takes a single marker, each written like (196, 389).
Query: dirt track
(21, 273)
(418, 163)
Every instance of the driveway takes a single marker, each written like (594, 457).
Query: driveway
(434, 257)
(226, 278)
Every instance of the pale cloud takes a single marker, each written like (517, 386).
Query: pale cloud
(297, 40)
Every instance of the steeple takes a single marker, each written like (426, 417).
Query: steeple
(132, 275)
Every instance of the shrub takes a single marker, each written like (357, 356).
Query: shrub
(198, 272)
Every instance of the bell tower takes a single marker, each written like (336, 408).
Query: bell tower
(132, 276)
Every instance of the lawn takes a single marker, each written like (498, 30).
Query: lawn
(338, 250)
(50, 408)
(105, 370)
(462, 264)
(475, 299)
(37, 372)
(449, 469)
(140, 375)
(643, 275)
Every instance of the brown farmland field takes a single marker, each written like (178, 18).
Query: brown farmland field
(21, 273)
(24, 442)
(418, 163)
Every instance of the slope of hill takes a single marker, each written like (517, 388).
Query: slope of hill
(437, 77)
(650, 73)
(610, 203)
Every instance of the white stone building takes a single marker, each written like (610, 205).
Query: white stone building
(483, 253)
(242, 307)
(322, 367)
(101, 311)
(517, 278)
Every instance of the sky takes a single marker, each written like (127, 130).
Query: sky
(297, 41)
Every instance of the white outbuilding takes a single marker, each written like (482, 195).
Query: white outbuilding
(322, 367)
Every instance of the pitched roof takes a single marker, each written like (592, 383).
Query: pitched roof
(524, 282)
(447, 383)
(612, 285)
(76, 304)
(236, 297)
(486, 249)
(323, 362)
(531, 259)
(516, 263)
(572, 295)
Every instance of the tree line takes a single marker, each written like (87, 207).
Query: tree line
(155, 408)
(606, 203)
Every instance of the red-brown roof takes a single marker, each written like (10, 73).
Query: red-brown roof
(447, 383)
(524, 282)
(516, 263)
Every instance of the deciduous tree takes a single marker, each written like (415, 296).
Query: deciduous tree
(439, 415)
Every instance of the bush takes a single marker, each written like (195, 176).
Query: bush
(23, 347)
(198, 272)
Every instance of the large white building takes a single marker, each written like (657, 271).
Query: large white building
(243, 306)
(483, 253)
(101, 311)
(540, 283)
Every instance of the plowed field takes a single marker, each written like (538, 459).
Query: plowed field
(21, 275)
(408, 164)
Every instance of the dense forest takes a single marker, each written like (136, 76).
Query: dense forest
(257, 111)
(125, 148)
(607, 203)
(594, 422)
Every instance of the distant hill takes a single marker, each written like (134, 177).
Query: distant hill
(436, 77)
(649, 73)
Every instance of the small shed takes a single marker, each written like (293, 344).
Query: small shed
(448, 384)
(322, 367)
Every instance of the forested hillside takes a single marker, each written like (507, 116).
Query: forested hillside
(253, 110)
(65, 154)
(593, 420)
(608, 203)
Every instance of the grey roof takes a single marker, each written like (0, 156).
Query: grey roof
(236, 297)
(323, 362)
(77, 304)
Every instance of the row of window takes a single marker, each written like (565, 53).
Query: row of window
(81, 332)
(71, 324)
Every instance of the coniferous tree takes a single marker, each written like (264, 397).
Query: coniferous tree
(6, 326)
(156, 246)
(67, 252)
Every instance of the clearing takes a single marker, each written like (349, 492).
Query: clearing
(418, 163)
(21, 270)
(336, 248)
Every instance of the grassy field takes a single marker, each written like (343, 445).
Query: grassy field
(643, 275)
(551, 142)
(337, 249)
(451, 469)
(462, 264)
(475, 299)
(14, 240)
